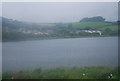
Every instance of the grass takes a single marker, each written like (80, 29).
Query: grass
(64, 73)
(94, 25)
(114, 27)
(91, 24)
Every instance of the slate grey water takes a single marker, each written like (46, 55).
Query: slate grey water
(102, 51)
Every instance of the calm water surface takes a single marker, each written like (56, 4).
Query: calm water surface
(72, 52)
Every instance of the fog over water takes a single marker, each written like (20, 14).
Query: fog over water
(101, 51)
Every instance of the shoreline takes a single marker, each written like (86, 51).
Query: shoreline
(51, 38)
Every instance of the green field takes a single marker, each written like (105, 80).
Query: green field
(94, 25)
(64, 73)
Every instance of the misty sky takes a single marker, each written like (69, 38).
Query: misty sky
(51, 12)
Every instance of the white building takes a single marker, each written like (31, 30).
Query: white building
(89, 31)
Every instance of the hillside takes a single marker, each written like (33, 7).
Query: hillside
(18, 30)
(95, 25)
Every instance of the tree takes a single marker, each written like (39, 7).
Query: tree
(93, 19)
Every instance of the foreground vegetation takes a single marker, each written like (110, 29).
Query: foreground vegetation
(65, 73)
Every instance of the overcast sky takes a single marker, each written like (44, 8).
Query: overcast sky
(59, 11)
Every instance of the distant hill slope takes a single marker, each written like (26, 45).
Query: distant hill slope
(95, 25)
(18, 30)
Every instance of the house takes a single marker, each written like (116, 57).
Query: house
(88, 31)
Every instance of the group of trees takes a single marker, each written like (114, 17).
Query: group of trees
(93, 19)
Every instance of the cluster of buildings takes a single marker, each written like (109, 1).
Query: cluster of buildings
(28, 31)
(88, 31)
(49, 31)
(37, 32)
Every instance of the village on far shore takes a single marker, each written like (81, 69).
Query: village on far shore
(87, 27)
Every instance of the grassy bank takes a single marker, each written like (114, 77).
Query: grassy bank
(65, 73)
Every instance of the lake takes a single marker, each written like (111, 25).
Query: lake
(101, 51)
